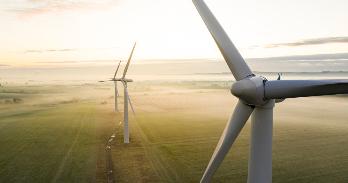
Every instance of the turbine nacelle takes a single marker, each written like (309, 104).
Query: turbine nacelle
(122, 79)
(250, 90)
(127, 80)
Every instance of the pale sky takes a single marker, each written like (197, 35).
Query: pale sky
(37, 32)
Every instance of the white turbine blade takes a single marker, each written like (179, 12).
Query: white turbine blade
(234, 126)
(116, 95)
(119, 63)
(129, 100)
(130, 103)
(116, 90)
(260, 156)
(280, 89)
(235, 61)
(128, 62)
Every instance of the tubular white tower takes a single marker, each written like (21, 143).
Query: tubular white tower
(125, 115)
(260, 157)
(257, 97)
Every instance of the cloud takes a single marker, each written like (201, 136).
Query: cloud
(316, 57)
(37, 7)
(51, 50)
(316, 41)
(78, 62)
(68, 50)
(57, 62)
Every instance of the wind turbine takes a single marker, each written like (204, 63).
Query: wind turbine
(257, 97)
(114, 79)
(127, 99)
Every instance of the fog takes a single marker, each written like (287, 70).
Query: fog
(181, 70)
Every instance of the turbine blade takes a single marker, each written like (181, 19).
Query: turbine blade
(130, 103)
(234, 126)
(116, 89)
(129, 100)
(118, 66)
(128, 62)
(234, 60)
(117, 93)
(280, 89)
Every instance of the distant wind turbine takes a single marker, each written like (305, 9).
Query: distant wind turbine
(114, 79)
(127, 99)
(115, 83)
(257, 97)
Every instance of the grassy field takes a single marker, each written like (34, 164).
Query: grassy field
(52, 136)
(178, 130)
(59, 133)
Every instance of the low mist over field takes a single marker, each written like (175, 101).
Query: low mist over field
(191, 69)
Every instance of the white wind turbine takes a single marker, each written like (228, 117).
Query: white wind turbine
(127, 99)
(114, 79)
(125, 81)
(257, 97)
(115, 83)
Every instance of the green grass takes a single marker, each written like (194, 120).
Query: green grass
(172, 137)
(310, 144)
(300, 153)
(186, 144)
(57, 144)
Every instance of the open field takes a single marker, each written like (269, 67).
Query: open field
(58, 134)
(52, 135)
(179, 129)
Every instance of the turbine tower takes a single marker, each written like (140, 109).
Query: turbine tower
(257, 97)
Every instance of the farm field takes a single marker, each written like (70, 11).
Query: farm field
(59, 133)
(178, 129)
(51, 135)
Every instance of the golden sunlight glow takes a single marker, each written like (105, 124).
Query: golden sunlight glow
(163, 29)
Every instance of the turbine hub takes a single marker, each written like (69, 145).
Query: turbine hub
(250, 90)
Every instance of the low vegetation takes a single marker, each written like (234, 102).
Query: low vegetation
(58, 134)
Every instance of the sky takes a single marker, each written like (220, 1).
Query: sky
(39, 32)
